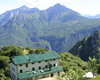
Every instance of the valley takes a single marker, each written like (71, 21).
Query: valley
(31, 27)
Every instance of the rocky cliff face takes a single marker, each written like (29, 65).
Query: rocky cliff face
(88, 47)
(95, 41)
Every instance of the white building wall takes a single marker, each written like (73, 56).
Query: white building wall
(55, 61)
(13, 71)
(36, 65)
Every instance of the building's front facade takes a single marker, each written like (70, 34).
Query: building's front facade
(35, 66)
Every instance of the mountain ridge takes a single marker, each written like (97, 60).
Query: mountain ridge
(88, 47)
(25, 9)
(45, 29)
(93, 17)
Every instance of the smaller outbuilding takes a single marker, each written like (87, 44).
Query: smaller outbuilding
(89, 75)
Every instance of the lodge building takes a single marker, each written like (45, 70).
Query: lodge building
(35, 66)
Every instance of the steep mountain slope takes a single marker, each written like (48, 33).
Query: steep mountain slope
(9, 14)
(57, 28)
(96, 16)
(88, 47)
(62, 13)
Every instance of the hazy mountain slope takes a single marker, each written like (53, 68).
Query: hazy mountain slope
(94, 17)
(24, 30)
(56, 29)
(88, 47)
(12, 13)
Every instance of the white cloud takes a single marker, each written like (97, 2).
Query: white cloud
(27, 0)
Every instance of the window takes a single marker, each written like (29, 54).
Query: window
(33, 69)
(58, 73)
(39, 67)
(32, 62)
(26, 65)
(21, 71)
(20, 65)
(54, 65)
(51, 75)
(46, 66)
(46, 61)
(53, 59)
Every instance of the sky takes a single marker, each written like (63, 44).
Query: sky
(85, 7)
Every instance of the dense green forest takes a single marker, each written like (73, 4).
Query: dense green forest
(73, 66)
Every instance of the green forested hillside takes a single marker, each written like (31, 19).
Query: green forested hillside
(88, 50)
(73, 66)
(52, 29)
(88, 47)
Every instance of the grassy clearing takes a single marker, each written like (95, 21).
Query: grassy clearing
(96, 78)
(25, 52)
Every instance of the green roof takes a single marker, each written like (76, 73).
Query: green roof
(39, 72)
(34, 57)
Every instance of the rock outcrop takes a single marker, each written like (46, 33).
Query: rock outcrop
(88, 47)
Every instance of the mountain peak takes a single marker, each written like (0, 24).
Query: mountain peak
(24, 7)
(60, 8)
(58, 5)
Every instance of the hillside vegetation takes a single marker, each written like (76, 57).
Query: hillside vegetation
(88, 50)
(97, 78)
(88, 47)
(73, 66)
